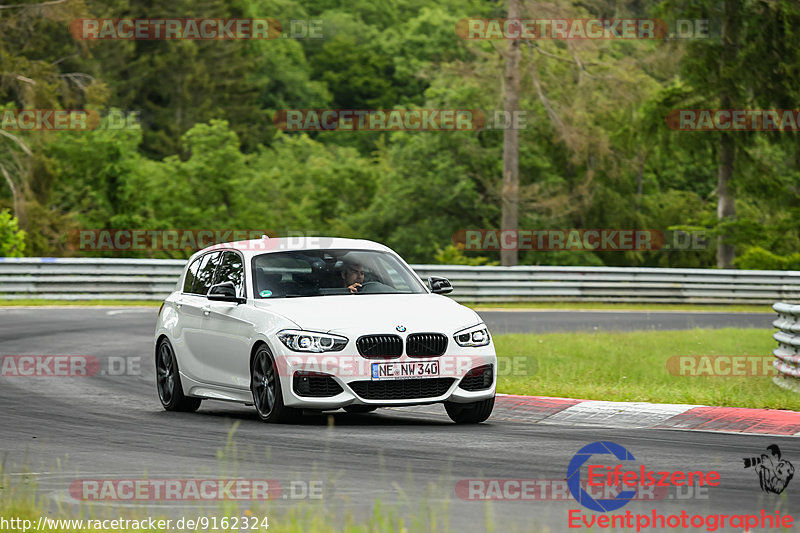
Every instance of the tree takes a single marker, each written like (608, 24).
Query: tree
(752, 63)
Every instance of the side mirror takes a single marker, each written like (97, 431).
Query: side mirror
(224, 292)
(440, 285)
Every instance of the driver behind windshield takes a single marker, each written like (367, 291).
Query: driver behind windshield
(353, 276)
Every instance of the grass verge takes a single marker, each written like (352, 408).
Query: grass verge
(633, 367)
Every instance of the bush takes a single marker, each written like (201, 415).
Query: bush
(757, 258)
(454, 255)
(12, 239)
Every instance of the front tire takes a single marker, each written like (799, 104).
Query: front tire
(168, 381)
(265, 385)
(469, 413)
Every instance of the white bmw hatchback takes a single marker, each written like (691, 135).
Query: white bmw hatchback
(319, 324)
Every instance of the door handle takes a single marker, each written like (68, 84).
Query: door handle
(206, 310)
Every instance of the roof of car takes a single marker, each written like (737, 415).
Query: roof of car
(283, 244)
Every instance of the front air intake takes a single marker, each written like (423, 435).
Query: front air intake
(477, 379)
(315, 385)
(402, 389)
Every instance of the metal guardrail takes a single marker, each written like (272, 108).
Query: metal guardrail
(787, 354)
(617, 284)
(153, 279)
(88, 279)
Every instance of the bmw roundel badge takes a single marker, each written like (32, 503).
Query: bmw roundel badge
(401, 329)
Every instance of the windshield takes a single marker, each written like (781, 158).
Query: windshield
(331, 272)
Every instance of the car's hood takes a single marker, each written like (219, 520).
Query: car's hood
(374, 313)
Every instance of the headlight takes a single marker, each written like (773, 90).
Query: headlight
(474, 336)
(309, 341)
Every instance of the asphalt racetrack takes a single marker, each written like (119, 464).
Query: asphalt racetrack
(414, 461)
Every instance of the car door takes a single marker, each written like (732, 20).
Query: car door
(226, 331)
(191, 360)
(186, 320)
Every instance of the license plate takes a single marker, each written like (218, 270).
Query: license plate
(407, 370)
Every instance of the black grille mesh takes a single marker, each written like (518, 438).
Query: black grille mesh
(479, 378)
(315, 385)
(425, 344)
(402, 389)
(376, 346)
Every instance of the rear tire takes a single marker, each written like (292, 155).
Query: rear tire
(168, 381)
(362, 409)
(265, 384)
(469, 413)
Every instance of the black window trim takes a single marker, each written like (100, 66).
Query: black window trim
(244, 273)
(200, 259)
(212, 252)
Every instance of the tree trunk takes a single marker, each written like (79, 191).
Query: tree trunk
(726, 209)
(725, 199)
(510, 191)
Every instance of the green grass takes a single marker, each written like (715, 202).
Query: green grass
(532, 306)
(20, 499)
(115, 303)
(633, 367)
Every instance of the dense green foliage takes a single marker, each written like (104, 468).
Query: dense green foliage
(12, 239)
(595, 153)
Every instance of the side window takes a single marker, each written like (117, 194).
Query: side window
(205, 274)
(231, 269)
(191, 273)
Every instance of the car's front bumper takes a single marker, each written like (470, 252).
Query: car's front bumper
(353, 374)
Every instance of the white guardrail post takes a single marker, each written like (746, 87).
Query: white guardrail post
(153, 279)
(787, 354)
